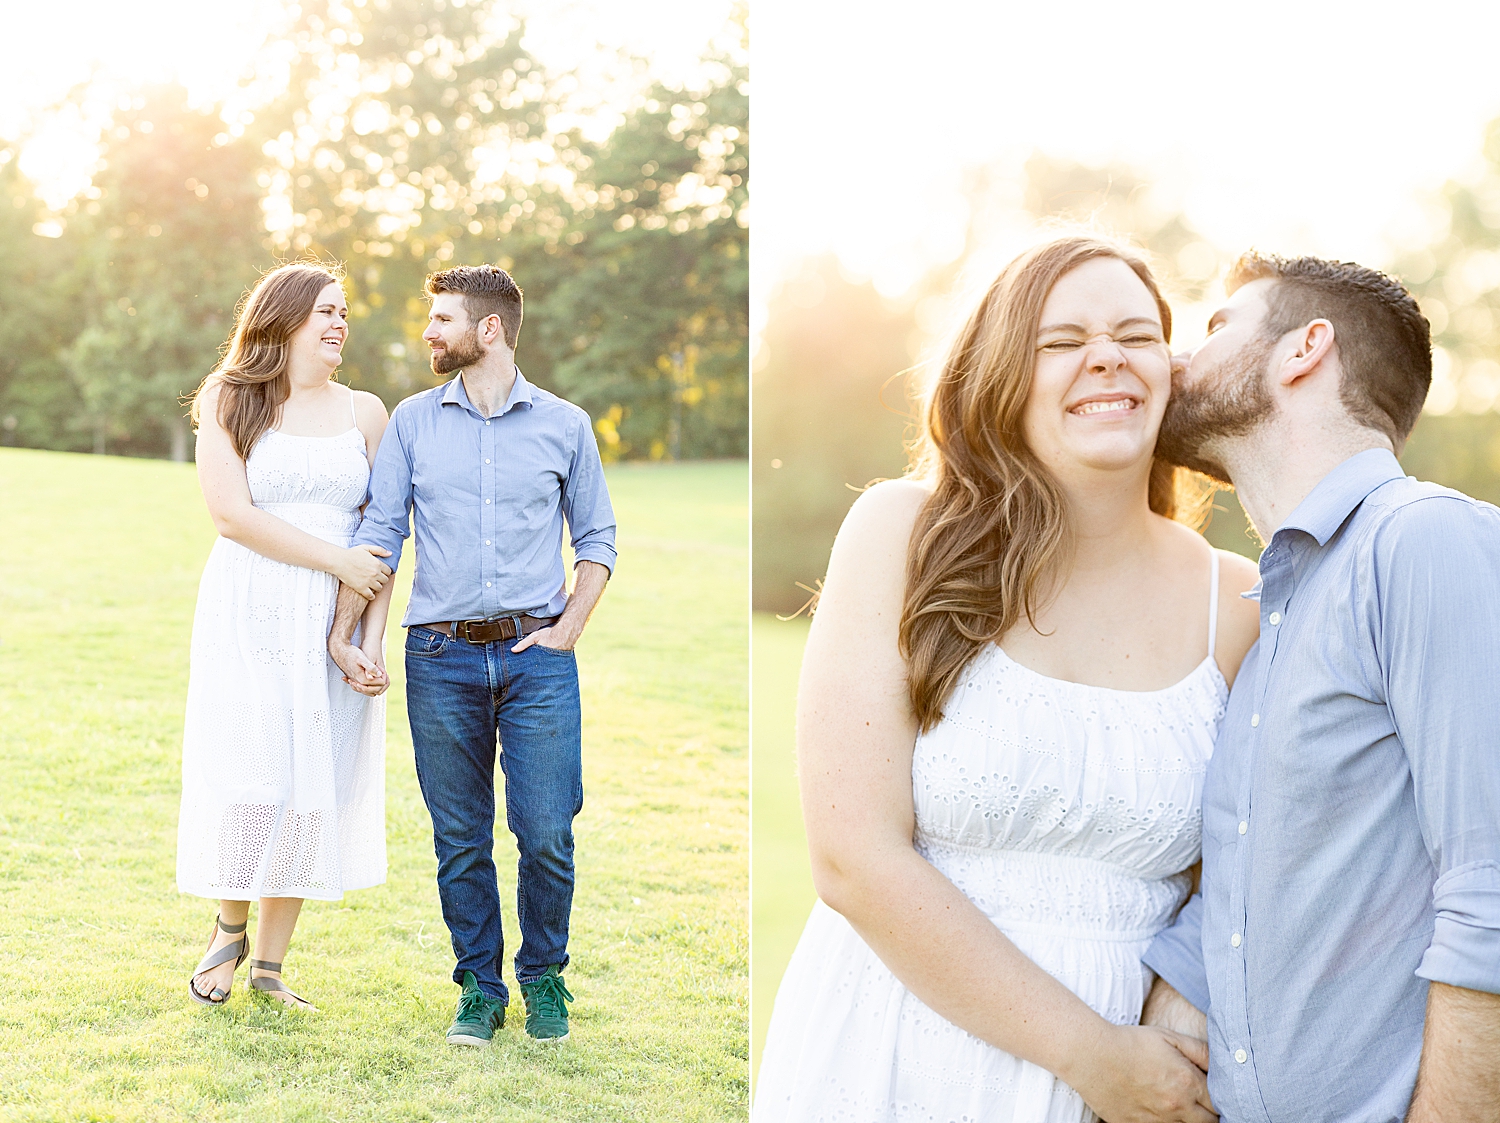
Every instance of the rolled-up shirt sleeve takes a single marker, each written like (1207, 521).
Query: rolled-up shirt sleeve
(1177, 954)
(585, 501)
(387, 520)
(1438, 577)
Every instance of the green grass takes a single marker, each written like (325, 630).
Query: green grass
(781, 885)
(97, 584)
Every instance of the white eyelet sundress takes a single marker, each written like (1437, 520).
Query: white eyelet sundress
(283, 765)
(1069, 814)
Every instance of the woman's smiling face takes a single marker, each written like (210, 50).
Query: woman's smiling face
(321, 338)
(1103, 371)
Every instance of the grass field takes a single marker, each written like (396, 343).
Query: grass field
(97, 585)
(781, 887)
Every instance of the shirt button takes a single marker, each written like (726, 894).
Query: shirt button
(486, 422)
(1275, 616)
(486, 500)
(1241, 1056)
(1254, 718)
(487, 585)
(487, 542)
(1244, 826)
(1234, 941)
(487, 460)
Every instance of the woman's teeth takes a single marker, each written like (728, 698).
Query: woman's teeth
(1104, 407)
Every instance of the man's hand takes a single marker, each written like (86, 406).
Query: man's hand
(1166, 1008)
(555, 637)
(587, 588)
(360, 671)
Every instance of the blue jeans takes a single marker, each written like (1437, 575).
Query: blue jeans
(459, 696)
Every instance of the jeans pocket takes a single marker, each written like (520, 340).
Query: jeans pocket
(422, 643)
(555, 652)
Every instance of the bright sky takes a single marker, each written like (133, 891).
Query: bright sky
(208, 44)
(1296, 126)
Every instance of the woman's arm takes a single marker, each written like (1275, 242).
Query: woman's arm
(221, 475)
(372, 418)
(855, 735)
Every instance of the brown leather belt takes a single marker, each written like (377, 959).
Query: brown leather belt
(489, 631)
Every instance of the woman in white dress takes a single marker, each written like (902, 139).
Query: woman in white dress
(1009, 694)
(283, 764)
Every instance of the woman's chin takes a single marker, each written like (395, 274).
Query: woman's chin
(1122, 456)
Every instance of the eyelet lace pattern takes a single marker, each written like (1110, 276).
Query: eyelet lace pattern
(1068, 814)
(283, 766)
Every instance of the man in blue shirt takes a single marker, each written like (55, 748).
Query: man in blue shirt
(1346, 943)
(492, 468)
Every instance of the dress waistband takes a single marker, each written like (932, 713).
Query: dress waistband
(1059, 893)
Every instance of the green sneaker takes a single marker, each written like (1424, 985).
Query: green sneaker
(479, 1015)
(546, 1012)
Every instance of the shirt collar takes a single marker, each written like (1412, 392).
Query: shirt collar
(456, 395)
(1343, 489)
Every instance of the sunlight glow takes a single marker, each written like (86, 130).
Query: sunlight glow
(212, 48)
(1291, 127)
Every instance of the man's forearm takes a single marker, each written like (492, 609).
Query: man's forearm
(351, 606)
(1167, 1008)
(588, 586)
(1459, 1078)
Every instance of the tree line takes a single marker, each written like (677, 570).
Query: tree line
(409, 136)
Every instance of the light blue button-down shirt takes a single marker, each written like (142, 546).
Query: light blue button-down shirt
(1351, 813)
(490, 496)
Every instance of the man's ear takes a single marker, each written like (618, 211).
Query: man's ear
(1313, 346)
(492, 329)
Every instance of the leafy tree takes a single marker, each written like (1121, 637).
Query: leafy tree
(647, 294)
(162, 244)
(1456, 278)
(35, 403)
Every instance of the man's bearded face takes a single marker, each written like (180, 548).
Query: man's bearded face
(464, 351)
(1226, 400)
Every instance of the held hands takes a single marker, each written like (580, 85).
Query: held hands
(362, 570)
(1145, 1074)
(363, 671)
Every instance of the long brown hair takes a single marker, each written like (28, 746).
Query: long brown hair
(253, 371)
(994, 531)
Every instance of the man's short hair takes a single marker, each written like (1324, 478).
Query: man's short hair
(1384, 341)
(487, 291)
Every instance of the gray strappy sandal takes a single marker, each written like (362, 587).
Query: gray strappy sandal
(268, 985)
(236, 951)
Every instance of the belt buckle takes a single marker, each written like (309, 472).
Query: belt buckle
(483, 631)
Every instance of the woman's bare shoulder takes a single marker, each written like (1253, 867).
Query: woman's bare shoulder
(888, 509)
(1237, 573)
(369, 407)
(208, 394)
(1239, 619)
(868, 566)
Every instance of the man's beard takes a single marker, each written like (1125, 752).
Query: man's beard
(1226, 402)
(466, 352)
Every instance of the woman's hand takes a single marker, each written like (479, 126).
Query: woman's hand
(1144, 1074)
(362, 570)
(374, 654)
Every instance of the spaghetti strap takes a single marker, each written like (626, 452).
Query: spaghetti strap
(354, 420)
(1213, 601)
